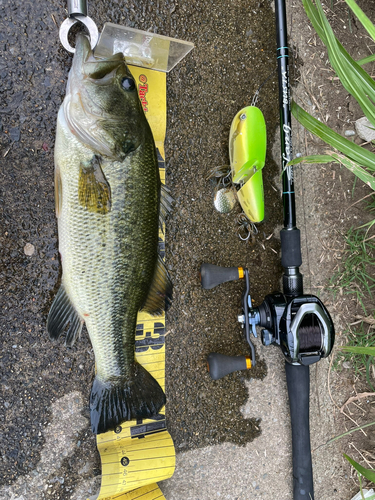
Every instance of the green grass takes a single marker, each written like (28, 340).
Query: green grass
(364, 338)
(355, 274)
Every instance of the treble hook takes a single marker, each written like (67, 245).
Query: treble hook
(247, 228)
(77, 11)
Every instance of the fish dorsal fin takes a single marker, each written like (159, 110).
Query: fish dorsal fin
(160, 294)
(166, 201)
(94, 192)
(61, 314)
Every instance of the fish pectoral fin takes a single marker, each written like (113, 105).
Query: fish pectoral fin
(166, 201)
(61, 314)
(94, 192)
(160, 294)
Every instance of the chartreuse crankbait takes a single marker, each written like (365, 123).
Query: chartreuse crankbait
(243, 181)
(247, 153)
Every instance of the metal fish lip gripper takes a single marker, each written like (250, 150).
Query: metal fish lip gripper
(77, 12)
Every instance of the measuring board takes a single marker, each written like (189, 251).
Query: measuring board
(139, 453)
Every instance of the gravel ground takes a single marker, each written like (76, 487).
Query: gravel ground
(47, 448)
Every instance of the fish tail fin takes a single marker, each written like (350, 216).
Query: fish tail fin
(112, 402)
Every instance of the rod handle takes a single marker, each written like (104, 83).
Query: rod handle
(212, 275)
(298, 381)
(220, 365)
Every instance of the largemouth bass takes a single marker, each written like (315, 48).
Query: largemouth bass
(109, 201)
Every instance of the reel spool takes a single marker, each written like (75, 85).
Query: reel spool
(301, 326)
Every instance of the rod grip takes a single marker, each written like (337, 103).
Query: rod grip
(220, 365)
(212, 276)
(291, 247)
(298, 381)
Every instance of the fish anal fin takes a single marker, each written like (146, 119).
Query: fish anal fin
(160, 294)
(94, 192)
(61, 314)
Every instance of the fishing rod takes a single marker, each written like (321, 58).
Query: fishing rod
(296, 322)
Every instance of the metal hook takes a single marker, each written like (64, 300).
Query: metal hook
(246, 228)
(226, 180)
(67, 25)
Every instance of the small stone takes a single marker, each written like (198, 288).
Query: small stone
(349, 133)
(29, 249)
(346, 365)
(365, 129)
(15, 134)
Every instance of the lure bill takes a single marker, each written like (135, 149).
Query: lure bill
(109, 205)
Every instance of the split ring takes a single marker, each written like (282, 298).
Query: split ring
(67, 25)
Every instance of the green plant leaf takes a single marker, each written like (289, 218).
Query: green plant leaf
(367, 473)
(359, 73)
(369, 351)
(344, 68)
(357, 169)
(351, 165)
(335, 140)
(365, 21)
(311, 159)
(366, 60)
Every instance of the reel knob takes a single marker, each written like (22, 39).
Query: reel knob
(220, 365)
(212, 275)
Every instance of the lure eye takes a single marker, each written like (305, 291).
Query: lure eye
(128, 84)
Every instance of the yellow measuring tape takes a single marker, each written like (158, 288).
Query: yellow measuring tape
(137, 454)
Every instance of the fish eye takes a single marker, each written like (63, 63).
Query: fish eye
(128, 84)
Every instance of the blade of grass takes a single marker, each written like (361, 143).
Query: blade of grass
(311, 159)
(365, 21)
(363, 77)
(343, 68)
(354, 167)
(366, 60)
(367, 473)
(348, 148)
(368, 351)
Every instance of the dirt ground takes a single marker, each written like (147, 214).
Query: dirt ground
(238, 426)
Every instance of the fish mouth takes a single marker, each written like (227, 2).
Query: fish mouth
(86, 65)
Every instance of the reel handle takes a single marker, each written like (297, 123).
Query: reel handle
(220, 365)
(212, 276)
(298, 382)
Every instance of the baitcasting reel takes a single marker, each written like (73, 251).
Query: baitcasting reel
(300, 325)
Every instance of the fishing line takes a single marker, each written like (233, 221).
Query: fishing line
(256, 95)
